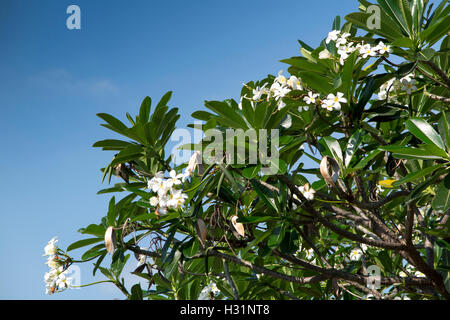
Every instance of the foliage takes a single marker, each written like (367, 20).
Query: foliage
(379, 195)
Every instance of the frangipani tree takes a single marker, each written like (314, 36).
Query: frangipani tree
(369, 106)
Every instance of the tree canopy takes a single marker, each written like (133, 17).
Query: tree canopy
(245, 219)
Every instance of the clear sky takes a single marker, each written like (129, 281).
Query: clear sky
(53, 81)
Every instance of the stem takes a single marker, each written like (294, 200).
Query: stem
(90, 284)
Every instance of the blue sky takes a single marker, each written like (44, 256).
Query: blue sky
(53, 81)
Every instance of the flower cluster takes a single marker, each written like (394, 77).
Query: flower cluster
(346, 48)
(209, 292)
(280, 87)
(167, 196)
(332, 102)
(56, 279)
(390, 89)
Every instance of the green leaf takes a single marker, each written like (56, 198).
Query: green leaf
(94, 229)
(278, 166)
(115, 123)
(83, 243)
(334, 148)
(191, 248)
(434, 32)
(304, 64)
(251, 171)
(226, 113)
(277, 236)
(111, 217)
(111, 144)
(352, 146)
(136, 292)
(387, 28)
(288, 243)
(256, 219)
(422, 130)
(144, 111)
(409, 153)
(316, 81)
(94, 252)
(414, 176)
(394, 9)
(347, 75)
(265, 194)
(118, 262)
(441, 201)
(444, 128)
(167, 244)
(173, 264)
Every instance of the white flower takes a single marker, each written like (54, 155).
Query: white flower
(419, 274)
(332, 35)
(325, 54)
(311, 98)
(159, 185)
(309, 254)
(388, 87)
(164, 200)
(279, 91)
(50, 277)
(62, 282)
(378, 189)
(174, 179)
(142, 258)
(402, 274)
(404, 297)
(342, 39)
(367, 51)
(307, 191)
(345, 51)
(281, 104)
(280, 78)
(337, 100)
(162, 210)
(408, 85)
(328, 104)
(51, 248)
(363, 247)
(240, 101)
(258, 92)
(194, 161)
(355, 254)
(53, 262)
(176, 199)
(383, 48)
(154, 201)
(50, 289)
(294, 83)
(209, 292)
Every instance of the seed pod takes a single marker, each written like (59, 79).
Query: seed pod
(201, 230)
(110, 239)
(324, 170)
(238, 226)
